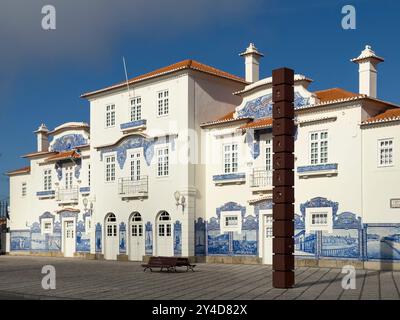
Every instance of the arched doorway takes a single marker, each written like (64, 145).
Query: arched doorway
(111, 241)
(136, 238)
(164, 235)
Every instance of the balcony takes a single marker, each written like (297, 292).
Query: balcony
(321, 170)
(133, 125)
(67, 195)
(261, 179)
(133, 188)
(48, 194)
(229, 178)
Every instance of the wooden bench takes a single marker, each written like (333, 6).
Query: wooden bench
(169, 263)
(184, 262)
(160, 262)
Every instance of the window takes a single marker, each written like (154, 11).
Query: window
(137, 230)
(135, 166)
(111, 225)
(110, 115)
(47, 183)
(319, 219)
(231, 221)
(136, 108)
(164, 229)
(136, 217)
(162, 162)
(88, 224)
(88, 175)
(268, 155)
(47, 226)
(110, 168)
(385, 152)
(319, 147)
(68, 177)
(268, 232)
(230, 158)
(23, 189)
(163, 103)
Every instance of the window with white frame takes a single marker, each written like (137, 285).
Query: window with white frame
(88, 173)
(319, 218)
(136, 108)
(135, 166)
(88, 224)
(230, 158)
(319, 147)
(69, 176)
(47, 183)
(163, 162)
(231, 221)
(385, 152)
(110, 168)
(163, 102)
(268, 155)
(110, 115)
(23, 189)
(47, 226)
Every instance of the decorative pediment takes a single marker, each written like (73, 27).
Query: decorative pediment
(319, 202)
(346, 220)
(231, 206)
(261, 107)
(68, 142)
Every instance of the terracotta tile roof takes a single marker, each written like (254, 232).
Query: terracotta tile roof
(334, 94)
(38, 153)
(259, 123)
(64, 155)
(185, 64)
(388, 115)
(19, 171)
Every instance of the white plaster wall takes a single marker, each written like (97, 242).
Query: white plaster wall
(380, 184)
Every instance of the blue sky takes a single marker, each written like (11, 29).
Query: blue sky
(43, 73)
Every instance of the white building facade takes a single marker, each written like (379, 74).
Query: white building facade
(178, 162)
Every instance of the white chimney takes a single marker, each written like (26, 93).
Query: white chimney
(367, 62)
(252, 63)
(42, 138)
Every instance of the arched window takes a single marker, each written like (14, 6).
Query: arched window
(136, 217)
(164, 216)
(111, 224)
(136, 225)
(164, 228)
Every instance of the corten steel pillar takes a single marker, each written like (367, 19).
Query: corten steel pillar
(283, 177)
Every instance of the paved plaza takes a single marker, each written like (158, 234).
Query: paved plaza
(20, 278)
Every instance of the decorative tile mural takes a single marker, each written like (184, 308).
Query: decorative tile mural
(148, 239)
(98, 237)
(261, 107)
(232, 243)
(200, 237)
(177, 238)
(383, 241)
(68, 142)
(122, 238)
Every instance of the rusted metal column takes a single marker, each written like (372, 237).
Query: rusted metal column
(283, 177)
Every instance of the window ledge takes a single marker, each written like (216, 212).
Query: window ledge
(46, 194)
(84, 190)
(326, 170)
(229, 178)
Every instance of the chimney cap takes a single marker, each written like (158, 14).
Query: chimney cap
(42, 129)
(367, 54)
(251, 49)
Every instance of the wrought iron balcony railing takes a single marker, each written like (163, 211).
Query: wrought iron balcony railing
(133, 187)
(67, 195)
(261, 178)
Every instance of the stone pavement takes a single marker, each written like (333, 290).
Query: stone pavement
(20, 278)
